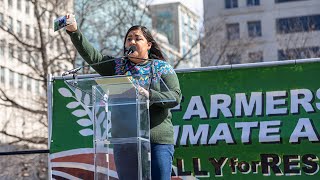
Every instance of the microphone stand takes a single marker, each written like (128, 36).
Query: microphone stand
(75, 70)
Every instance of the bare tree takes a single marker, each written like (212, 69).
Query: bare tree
(295, 37)
(168, 26)
(189, 54)
(21, 167)
(35, 57)
(105, 22)
(219, 47)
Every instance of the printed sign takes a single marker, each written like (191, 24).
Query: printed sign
(247, 123)
(60, 23)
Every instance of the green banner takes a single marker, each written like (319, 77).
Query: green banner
(240, 123)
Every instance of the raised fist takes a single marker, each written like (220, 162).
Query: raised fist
(71, 23)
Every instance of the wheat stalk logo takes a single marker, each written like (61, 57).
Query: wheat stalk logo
(80, 106)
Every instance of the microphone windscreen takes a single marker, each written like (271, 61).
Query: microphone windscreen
(132, 49)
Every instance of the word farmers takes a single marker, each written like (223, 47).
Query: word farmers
(254, 104)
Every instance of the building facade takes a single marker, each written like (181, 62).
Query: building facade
(29, 51)
(246, 31)
(170, 52)
(175, 31)
(180, 25)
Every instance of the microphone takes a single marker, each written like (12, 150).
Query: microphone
(72, 71)
(130, 50)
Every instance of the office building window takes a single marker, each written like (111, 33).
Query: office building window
(19, 52)
(298, 24)
(28, 57)
(165, 25)
(254, 29)
(10, 24)
(1, 20)
(255, 57)
(58, 45)
(2, 47)
(27, 7)
(51, 39)
(36, 38)
(182, 20)
(299, 53)
(19, 4)
(37, 87)
(11, 51)
(20, 81)
(11, 78)
(233, 31)
(28, 32)
(19, 28)
(231, 4)
(184, 36)
(190, 39)
(189, 25)
(233, 58)
(184, 52)
(35, 60)
(284, 1)
(28, 83)
(253, 2)
(2, 75)
(10, 3)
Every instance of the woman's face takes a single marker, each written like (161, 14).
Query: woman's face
(136, 38)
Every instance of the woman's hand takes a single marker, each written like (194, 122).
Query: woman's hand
(143, 91)
(71, 23)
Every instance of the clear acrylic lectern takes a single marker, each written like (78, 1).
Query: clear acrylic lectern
(121, 123)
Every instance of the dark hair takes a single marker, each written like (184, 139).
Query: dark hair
(155, 51)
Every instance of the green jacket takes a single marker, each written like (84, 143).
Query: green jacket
(160, 115)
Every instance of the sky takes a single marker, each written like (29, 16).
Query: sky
(195, 5)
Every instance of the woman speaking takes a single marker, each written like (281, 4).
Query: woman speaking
(145, 57)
